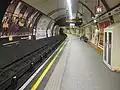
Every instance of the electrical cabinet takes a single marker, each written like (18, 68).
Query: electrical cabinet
(111, 52)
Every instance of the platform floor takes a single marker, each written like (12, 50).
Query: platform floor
(81, 68)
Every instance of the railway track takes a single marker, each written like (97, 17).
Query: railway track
(14, 74)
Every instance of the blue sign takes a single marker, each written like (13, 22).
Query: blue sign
(78, 23)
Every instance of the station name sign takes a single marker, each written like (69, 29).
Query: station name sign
(71, 20)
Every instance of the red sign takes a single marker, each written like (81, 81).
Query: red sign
(104, 24)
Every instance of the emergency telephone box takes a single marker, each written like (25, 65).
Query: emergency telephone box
(111, 52)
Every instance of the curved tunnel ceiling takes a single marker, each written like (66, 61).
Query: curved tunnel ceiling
(89, 10)
(56, 8)
(85, 7)
(57, 12)
(49, 7)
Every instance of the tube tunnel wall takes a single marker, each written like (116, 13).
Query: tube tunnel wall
(20, 20)
(3, 7)
(24, 44)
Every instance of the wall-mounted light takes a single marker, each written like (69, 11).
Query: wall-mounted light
(93, 17)
(96, 15)
(95, 21)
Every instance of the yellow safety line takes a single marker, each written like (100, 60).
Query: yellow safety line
(35, 86)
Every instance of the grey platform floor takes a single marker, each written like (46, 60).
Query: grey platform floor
(81, 68)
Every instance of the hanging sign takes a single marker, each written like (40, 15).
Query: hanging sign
(71, 20)
(99, 9)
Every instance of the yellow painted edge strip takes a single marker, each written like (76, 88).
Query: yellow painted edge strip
(97, 48)
(35, 86)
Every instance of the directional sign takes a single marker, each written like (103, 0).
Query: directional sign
(99, 9)
(74, 20)
(69, 20)
(78, 23)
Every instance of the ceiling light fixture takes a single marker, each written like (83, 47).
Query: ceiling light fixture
(93, 17)
(95, 21)
(96, 15)
(69, 4)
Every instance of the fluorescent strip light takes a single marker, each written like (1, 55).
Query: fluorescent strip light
(70, 8)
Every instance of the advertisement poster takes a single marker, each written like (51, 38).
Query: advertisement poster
(18, 21)
(42, 26)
